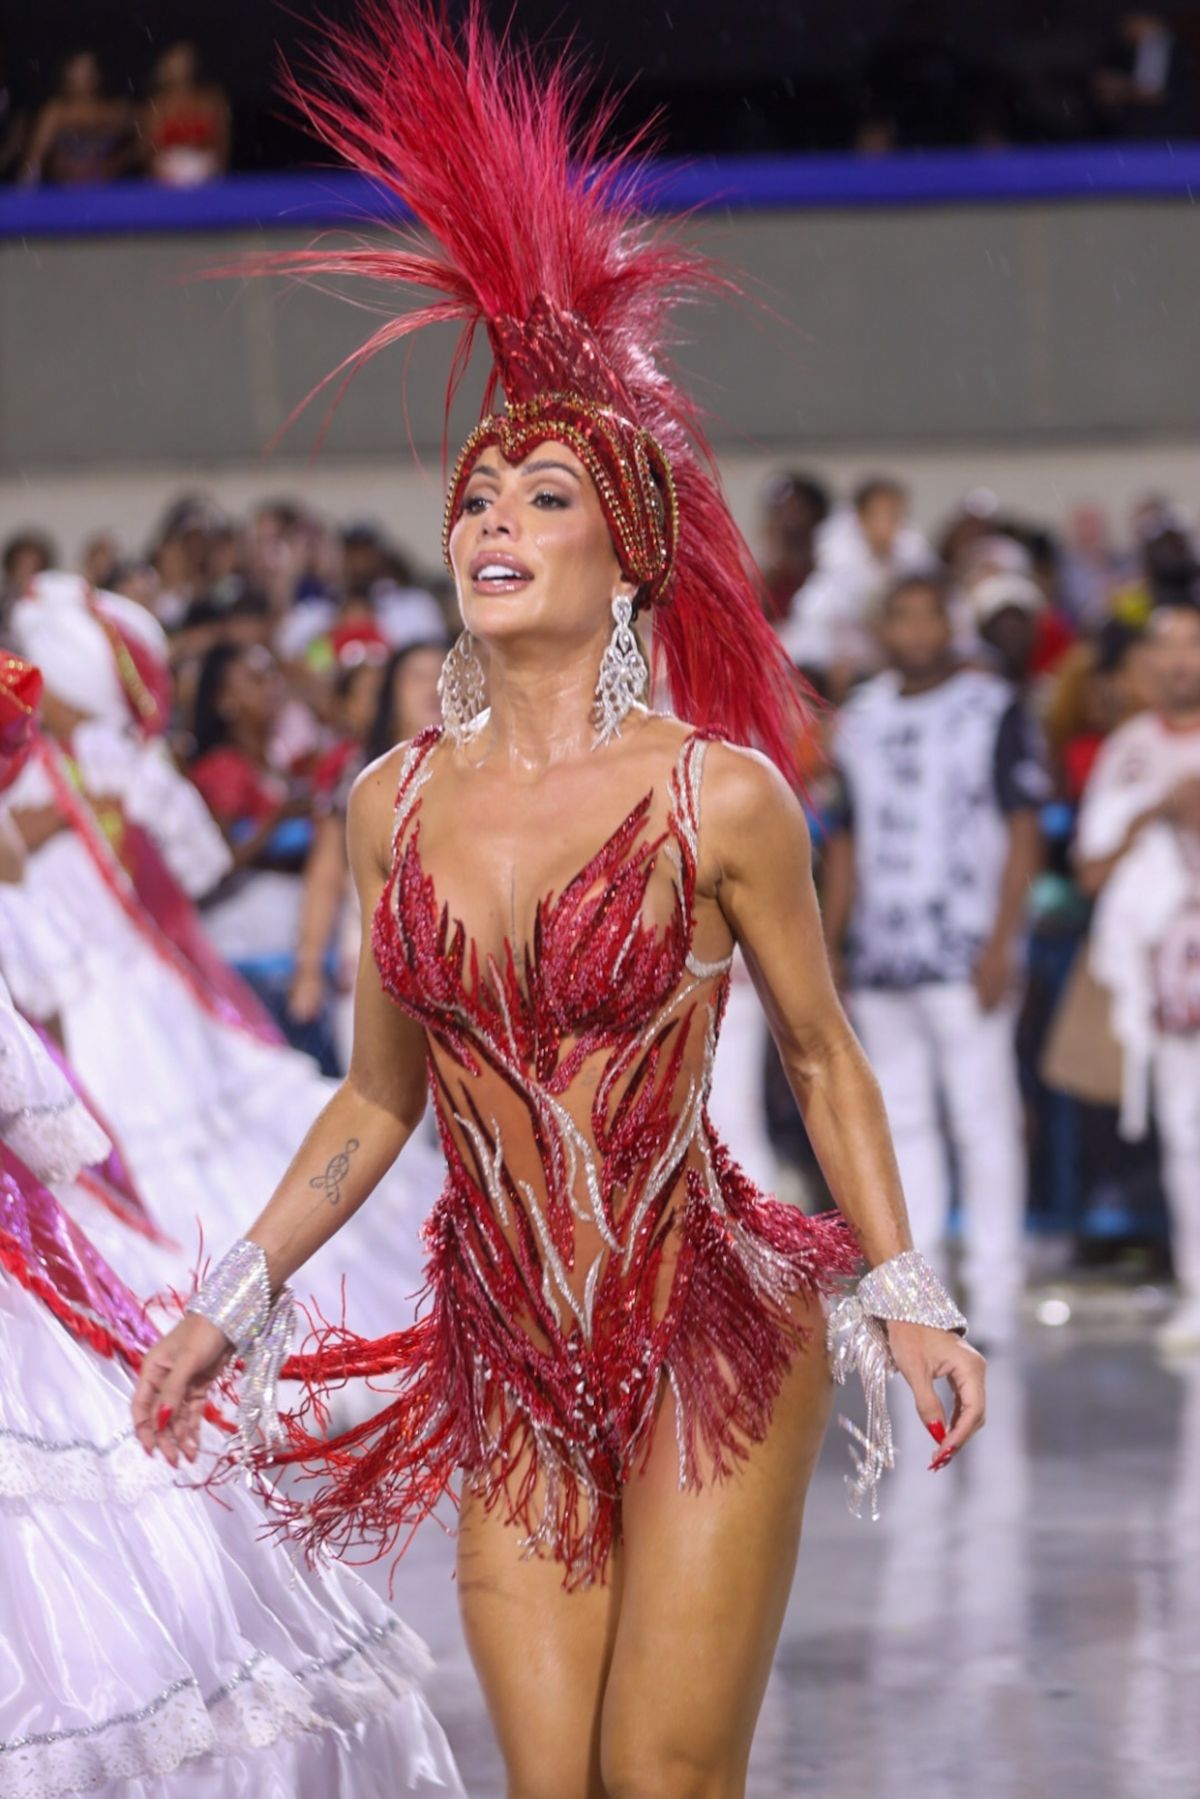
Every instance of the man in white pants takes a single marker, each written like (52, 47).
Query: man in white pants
(935, 842)
(1138, 845)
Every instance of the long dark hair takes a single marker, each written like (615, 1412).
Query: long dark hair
(382, 735)
(210, 728)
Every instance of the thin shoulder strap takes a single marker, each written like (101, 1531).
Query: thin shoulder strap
(686, 782)
(414, 772)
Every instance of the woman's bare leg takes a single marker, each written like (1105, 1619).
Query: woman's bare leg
(705, 1583)
(541, 1655)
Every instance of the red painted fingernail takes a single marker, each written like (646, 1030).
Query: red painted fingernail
(164, 1417)
(936, 1429)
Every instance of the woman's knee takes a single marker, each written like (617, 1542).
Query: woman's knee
(546, 1785)
(552, 1776)
(663, 1770)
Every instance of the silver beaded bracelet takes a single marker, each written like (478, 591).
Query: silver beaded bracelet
(904, 1290)
(236, 1297)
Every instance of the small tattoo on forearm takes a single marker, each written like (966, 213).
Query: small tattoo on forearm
(330, 1183)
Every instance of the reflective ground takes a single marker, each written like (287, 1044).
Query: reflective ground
(1025, 1624)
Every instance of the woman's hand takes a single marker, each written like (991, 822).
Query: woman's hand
(169, 1399)
(924, 1355)
(306, 997)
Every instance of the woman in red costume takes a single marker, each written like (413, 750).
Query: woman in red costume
(622, 1359)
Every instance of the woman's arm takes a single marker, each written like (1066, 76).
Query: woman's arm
(36, 825)
(352, 1144)
(764, 887)
(45, 127)
(324, 890)
(758, 866)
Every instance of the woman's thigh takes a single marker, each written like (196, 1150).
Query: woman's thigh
(705, 1583)
(541, 1653)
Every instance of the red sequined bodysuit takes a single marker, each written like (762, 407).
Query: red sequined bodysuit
(594, 1245)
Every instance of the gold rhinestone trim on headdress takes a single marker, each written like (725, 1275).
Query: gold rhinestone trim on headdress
(628, 466)
(12, 670)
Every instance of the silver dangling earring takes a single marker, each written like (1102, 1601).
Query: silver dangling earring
(461, 688)
(622, 680)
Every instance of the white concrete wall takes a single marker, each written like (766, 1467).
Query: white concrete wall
(988, 325)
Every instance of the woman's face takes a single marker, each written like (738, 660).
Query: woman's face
(360, 698)
(81, 78)
(415, 702)
(531, 551)
(253, 692)
(176, 67)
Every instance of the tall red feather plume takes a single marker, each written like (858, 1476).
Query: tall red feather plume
(489, 149)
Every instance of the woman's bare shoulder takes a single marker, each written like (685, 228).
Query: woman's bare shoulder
(372, 801)
(748, 808)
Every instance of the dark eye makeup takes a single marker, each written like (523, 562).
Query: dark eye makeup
(545, 498)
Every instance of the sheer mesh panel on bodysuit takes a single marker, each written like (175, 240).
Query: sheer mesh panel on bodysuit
(570, 1082)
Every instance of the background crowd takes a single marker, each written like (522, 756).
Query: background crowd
(908, 74)
(969, 681)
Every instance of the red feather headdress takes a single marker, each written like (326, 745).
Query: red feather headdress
(538, 240)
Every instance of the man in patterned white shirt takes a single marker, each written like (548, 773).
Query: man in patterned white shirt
(935, 841)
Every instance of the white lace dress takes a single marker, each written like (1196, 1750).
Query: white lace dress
(151, 1644)
(208, 1115)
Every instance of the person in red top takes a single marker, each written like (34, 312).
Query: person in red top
(186, 123)
(404, 698)
(254, 915)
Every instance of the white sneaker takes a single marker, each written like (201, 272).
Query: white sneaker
(1180, 1335)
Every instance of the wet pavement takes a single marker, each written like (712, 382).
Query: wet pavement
(1026, 1623)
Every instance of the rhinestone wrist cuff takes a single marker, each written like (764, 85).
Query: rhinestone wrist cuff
(236, 1297)
(905, 1290)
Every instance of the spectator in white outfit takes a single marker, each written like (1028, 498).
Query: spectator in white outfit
(860, 551)
(1138, 847)
(935, 840)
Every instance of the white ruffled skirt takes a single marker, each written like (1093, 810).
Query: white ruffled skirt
(208, 1116)
(151, 1646)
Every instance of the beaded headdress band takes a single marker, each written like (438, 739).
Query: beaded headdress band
(538, 240)
(629, 470)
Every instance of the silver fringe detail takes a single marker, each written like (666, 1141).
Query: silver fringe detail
(462, 688)
(907, 1290)
(621, 683)
(236, 1297)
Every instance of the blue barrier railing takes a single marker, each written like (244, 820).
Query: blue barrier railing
(1083, 172)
